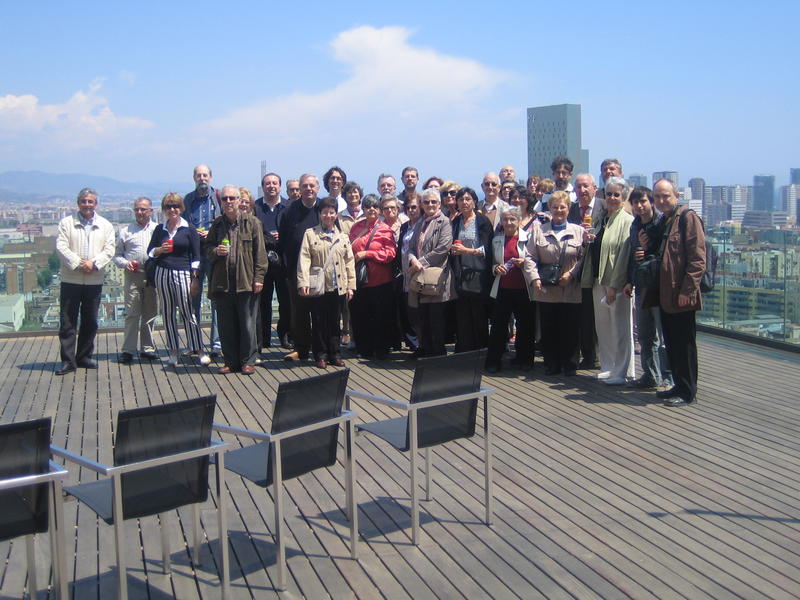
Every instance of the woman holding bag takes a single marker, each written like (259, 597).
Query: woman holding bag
(371, 311)
(326, 272)
(556, 249)
(429, 269)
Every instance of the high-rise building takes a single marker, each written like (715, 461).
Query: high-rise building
(671, 175)
(789, 197)
(763, 192)
(636, 180)
(555, 131)
(698, 187)
(794, 176)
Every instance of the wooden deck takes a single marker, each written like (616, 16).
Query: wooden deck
(600, 493)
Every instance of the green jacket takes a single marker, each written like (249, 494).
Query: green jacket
(251, 255)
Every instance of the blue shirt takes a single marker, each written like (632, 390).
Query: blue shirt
(200, 210)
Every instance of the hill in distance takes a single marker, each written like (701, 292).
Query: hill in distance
(30, 184)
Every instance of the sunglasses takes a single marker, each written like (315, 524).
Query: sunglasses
(229, 198)
(172, 207)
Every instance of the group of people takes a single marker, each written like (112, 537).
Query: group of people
(563, 265)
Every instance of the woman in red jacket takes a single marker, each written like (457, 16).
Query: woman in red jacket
(371, 309)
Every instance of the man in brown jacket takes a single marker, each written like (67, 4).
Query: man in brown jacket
(682, 267)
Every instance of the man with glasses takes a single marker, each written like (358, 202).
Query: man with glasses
(492, 205)
(386, 185)
(85, 245)
(201, 210)
(296, 219)
(562, 168)
(141, 305)
(508, 173)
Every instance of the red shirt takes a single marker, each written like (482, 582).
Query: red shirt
(380, 253)
(512, 280)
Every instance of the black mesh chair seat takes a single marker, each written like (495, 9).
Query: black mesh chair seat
(442, 407)
(30, 495)
(304, 437)
(161, 459)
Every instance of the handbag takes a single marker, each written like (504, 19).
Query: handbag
(362, 274)
(316, 275)
(647, 273)
(150, 271)
(550, 274)
(429, 281)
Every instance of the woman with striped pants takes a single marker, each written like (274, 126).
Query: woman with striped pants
(176, 246)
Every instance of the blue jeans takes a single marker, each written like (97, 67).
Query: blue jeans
(202, 273)
(655, 364)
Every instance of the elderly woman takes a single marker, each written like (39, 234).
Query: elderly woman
(447, 192)
(352, 214)
(605, 271)
(472, 257)
(176, 247)
(246, 201)
(390, 214)
(409, 317)
(238, 262)
(524, 200)
(429, 268)
(371, 309)
(512, 290)
(556, 249)
(326, 272)
(647, 233)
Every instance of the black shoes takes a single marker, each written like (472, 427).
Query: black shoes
(66, 367)
(643, 383)
(125, 358)
(148, 355)
(87, 363)
(670, 393)
(554, 371)
(587, 365)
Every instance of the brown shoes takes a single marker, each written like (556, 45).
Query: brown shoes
(248, 369)
(224, 371)
(338, 362)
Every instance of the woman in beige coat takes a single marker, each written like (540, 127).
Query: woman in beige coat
(327, 251)
(560, 304)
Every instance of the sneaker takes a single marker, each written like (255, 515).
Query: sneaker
(205, 360)
(614, 381)
(603, 375)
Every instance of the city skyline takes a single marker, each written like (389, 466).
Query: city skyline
(142, 93)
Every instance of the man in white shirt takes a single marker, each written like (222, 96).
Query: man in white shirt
(492, 205)
(141, 304)
(562, 168)
(85, 245)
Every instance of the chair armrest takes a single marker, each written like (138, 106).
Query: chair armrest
(256, 435)
(378, 399)
(80, 460)
(212, 448)
(56, 472)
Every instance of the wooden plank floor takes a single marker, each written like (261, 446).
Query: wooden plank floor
(600, 492)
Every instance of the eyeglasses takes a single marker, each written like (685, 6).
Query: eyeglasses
(229, 198)
(429, 202)
(389, 208)
(449, 193)
(141, 209)
(490, 183)
(172, 207)
(411, 207)
(614, 194)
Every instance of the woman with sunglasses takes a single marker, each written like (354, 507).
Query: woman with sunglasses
(176, 247)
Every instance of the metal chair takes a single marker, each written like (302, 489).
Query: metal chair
(161, 459)
(304, 437)
(442, 408)
(29, 482)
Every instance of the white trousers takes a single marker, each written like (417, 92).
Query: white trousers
(614, 326)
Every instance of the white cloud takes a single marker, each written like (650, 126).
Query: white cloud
(390, 87)
(82, 121)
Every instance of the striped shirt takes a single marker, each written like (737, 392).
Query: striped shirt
(132, 243)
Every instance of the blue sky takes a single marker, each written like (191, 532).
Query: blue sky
(143, 91)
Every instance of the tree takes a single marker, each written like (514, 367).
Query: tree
(53, 261)
(44, 278)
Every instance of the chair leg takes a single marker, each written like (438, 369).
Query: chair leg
(58, 554)
(428, 470)
(350, 476)
(277, 492)
(119, 536)
(165, 561)
(412, 422)
(222, 508)
(30, 546)
(196, 558)
(487, 458)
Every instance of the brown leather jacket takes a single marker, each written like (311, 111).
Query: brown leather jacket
(683, 262)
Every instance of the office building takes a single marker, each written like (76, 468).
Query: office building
(637, 180)
(763, 192)
(671, 175)
(794, 176)
(555, 131)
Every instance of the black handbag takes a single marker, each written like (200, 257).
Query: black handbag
(550, 274)
(646, 273)
(150, 271)
(362, 274)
